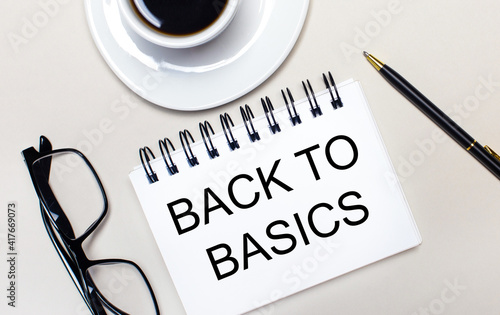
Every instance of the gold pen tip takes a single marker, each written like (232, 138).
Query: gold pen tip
(377, 64)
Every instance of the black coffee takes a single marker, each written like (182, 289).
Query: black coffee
(179, 17)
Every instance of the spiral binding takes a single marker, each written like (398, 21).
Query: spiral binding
(247, 115)
(294, 118)
(268, 110)
(206, 130)
(171, 167)
(146, 155)
(336, 101)
(192, 159)
(211, 149)
(225, 119)
(315, 109)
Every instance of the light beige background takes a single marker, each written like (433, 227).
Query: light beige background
(57, 84)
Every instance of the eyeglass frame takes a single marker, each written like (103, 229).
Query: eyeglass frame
(71, 251)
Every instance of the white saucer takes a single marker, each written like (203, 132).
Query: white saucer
(253, 46)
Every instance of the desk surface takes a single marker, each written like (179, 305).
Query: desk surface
(56, 83)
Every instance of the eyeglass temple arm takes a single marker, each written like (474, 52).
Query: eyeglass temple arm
(69, 264)
(44, 172)
(46, 146)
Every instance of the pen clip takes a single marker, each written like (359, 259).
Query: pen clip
(490, 151)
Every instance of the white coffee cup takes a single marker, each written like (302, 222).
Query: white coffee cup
(131, 17)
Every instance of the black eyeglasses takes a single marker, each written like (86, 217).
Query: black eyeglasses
(73, 204)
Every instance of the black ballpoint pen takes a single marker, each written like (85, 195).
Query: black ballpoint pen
(485, 155)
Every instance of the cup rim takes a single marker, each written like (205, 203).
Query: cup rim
(188, 41)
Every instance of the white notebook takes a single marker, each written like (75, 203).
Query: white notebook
(298, 207)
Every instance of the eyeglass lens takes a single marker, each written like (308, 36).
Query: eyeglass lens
(122, 285)
(75, 191)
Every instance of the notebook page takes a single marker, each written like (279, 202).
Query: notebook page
(279, 215)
